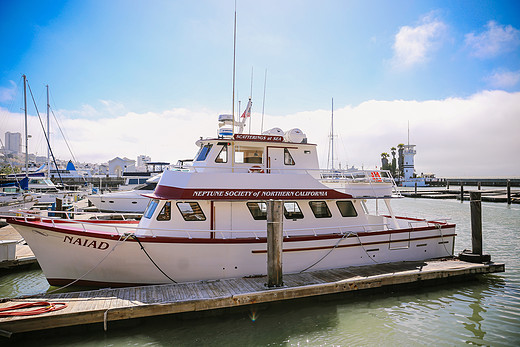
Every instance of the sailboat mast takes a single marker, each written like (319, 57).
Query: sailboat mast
(48, 136)
(26, 134)
(332, 134)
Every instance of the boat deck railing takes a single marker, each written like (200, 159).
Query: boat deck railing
(373, 178)
(125, 229)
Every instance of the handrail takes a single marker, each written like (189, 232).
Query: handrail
(122, 229)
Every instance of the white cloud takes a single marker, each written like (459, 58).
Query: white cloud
(504, 79)
(7, 94)
(413, 44)
(494, 41)
(474, 136)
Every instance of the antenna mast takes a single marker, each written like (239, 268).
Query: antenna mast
(263, 103)
(234, 55)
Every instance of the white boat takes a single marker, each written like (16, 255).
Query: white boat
(209, 222)
(131, 201)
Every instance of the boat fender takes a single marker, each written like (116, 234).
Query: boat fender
(256, 168)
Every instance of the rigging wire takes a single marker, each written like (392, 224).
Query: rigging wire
(48, 143)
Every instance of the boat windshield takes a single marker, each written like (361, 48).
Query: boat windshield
(203, 153)
(152, 205)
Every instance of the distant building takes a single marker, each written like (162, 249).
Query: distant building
(118, 165)
(13, 143)
(142, 160)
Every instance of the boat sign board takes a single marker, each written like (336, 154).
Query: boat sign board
(264, 138)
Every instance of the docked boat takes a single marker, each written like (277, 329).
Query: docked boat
(130, 201)
(209, 221)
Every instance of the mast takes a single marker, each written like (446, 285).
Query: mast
(48, 136)
(332, 133)
(263, 103)
(234, 55)
(250, 97)
(26, 134)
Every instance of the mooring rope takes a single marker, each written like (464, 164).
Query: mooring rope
(153, 262)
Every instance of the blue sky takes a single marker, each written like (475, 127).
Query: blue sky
(119, 60)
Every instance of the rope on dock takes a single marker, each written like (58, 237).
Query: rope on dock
(47, 307)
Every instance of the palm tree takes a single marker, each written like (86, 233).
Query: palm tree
(394, 165)
(384, 161)
(401, 159)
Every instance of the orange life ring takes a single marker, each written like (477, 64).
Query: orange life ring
(256, 168)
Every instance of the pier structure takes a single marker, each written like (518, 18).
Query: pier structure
(115, 304)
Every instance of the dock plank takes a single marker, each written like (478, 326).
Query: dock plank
(124, 303)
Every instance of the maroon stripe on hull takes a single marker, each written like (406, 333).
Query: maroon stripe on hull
(167, 239)
(175, 193)
(259, 251)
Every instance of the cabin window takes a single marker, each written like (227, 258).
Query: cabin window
(258, 210)
(166, 212)
(287, 157)
(222, 156)
(346, 208)
(191, 211)
(203, 152)
(291, 210)
(320, 209)
(250, 155)
(152, 205)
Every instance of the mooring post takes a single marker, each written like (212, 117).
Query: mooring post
(476, 255)
(274, 243)
(509, 192)
(461, 192)
(415, 188)
(476, 222)
(447, 185)
(478, 185)
(59, 207)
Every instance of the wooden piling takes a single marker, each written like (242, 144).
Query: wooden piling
(478, 185)
(274, 243)
(461, 192)
(509, 192)
(415, 187)
(476, 255)
(476, 222)
(59, 207)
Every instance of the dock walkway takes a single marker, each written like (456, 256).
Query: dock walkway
(106, 305)
(23, 255)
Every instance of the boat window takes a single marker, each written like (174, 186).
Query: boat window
(203, 153)
(166, 212)
(258, 210)
(287, 157)
(320, 209)
(291, 210)
(252, 155)
(152, 205)
(222, 155)
(346, 208)
(191, 211)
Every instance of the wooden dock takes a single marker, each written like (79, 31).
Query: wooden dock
(106, 305)
(23, 256)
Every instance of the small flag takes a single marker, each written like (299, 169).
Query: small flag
(247, 111)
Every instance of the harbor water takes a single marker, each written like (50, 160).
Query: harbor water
(485, 311)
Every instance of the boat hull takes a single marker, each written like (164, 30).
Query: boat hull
(100, 258)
